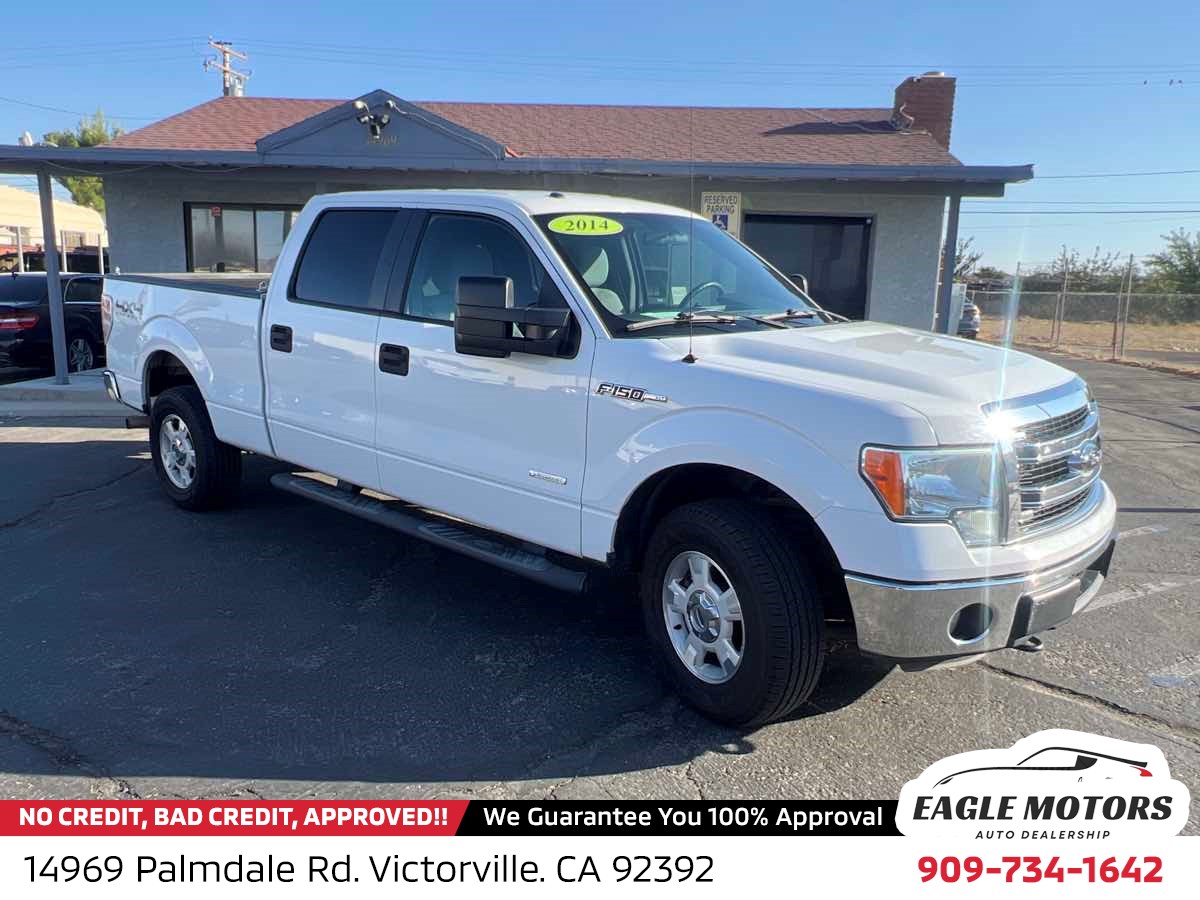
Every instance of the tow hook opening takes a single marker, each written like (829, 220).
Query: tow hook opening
(971, 623)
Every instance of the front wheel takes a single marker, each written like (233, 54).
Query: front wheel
(196, 469)
(732, 612)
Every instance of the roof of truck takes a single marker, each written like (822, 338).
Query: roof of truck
(534, 203)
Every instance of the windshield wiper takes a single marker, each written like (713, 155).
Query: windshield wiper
(790, 313)
(684, 318)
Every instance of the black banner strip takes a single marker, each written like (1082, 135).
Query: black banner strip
(683, 817)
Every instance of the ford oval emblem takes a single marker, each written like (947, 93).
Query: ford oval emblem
(1086, 458)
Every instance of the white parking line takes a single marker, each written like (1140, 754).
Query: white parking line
(1138, 591)
(1143, 530)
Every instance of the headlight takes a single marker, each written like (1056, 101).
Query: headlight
(962, 486)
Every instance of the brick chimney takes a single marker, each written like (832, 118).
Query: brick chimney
(926, 103)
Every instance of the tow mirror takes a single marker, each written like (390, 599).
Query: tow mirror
(799, 281)
(487, 324)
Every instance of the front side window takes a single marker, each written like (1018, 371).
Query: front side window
(457, 245)
(639, 267)
(341, 256)
(83, 290)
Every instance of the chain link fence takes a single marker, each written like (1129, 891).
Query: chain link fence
(1161, 328)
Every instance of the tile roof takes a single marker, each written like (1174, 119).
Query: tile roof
(666, 133)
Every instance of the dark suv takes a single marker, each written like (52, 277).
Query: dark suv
(25, 321)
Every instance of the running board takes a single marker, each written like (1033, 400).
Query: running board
(438, 531)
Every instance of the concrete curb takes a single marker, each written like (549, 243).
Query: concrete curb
(84, 387)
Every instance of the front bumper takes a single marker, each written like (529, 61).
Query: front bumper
(959, 618)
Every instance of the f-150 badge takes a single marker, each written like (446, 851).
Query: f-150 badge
(625, 392)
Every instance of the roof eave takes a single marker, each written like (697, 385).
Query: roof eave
(116, 161)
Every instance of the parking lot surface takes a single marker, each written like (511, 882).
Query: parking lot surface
(284, 650)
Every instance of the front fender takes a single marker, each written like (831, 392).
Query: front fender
(739, 440)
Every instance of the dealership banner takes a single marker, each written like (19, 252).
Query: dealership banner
(1070, 813)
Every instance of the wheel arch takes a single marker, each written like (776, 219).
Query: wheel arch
(163, 369)
(678, 485)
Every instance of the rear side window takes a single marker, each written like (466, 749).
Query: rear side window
(341, 257)
(83, 290)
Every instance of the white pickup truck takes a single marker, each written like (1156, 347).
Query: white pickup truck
(556, 382)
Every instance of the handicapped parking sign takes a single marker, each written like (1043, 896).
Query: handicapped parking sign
(723, 209)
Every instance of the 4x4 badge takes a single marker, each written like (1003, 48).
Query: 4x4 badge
(625, 392)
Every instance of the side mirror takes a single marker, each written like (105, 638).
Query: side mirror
(799, 281)
(484, 320)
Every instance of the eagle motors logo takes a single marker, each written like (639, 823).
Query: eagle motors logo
(1053, 785)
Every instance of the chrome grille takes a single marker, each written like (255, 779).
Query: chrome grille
(1035, 474)
(1056, 427)
(1054, 479)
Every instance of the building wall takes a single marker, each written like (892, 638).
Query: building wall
(146, 221)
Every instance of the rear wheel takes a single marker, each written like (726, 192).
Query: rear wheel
(196, 469)
(733, 612)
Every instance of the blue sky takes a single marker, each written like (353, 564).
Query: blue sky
(1061, 85)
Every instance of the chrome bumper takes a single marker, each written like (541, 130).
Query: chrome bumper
(959, 618)
(110, 386)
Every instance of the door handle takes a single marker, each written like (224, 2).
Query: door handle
(393, 359)
(281, 338)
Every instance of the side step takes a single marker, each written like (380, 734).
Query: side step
(436, 530)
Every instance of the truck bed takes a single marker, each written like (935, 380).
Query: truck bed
(211, 324)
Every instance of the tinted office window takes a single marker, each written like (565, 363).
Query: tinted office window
(454, 246)
(236, 238)
(222, 239)
(339, 261)
(830, 252)
(271, 228)
(83, 290)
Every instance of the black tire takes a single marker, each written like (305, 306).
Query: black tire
(218, 470)
(92, 349)
(783, 645)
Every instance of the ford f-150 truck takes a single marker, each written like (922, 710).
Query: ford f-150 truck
(558, 382)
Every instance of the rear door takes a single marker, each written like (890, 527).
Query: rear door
(320, 340)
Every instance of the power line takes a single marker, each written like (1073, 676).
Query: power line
(1121, 174)
(1084, 202)
(1027, 69)
(1077, 212)
(73, 112)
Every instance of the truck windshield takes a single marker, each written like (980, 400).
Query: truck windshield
(642, 267)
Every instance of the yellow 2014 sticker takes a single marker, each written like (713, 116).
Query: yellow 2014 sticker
(585, 224)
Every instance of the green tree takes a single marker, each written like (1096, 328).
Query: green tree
(1101, 272)
(1176, 268)
(85, 190)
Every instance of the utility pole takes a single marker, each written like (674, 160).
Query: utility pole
(233, 81)
(1061, 313)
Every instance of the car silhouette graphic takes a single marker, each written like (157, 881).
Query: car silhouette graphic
(1065, 759)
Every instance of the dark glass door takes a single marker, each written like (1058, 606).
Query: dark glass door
(831, 252)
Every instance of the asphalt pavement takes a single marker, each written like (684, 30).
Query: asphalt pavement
(281, 649)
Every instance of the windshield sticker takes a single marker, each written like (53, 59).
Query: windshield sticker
(583, 224)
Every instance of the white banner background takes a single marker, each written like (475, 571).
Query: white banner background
(743, 867)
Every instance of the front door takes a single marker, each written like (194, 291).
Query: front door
(497, 442)
(320, 343)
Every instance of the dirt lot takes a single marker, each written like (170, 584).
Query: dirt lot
(1171, 346)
